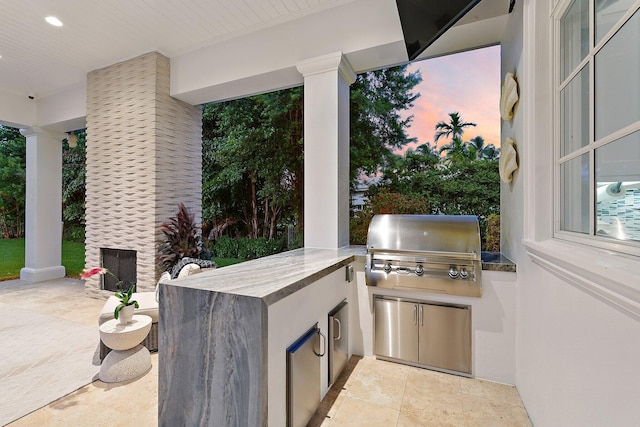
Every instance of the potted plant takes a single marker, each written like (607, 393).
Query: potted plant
(123, 311)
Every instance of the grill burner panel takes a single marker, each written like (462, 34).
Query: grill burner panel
(433, 253)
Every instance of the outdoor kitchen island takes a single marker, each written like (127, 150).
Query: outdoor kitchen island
(223, 335)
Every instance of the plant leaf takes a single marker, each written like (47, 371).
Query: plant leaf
(116, 312)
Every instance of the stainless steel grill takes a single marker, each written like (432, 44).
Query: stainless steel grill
(434, 253)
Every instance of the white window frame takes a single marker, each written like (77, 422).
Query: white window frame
(626, 247)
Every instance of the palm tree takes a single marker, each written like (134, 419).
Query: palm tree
(454, 128)
(456, 151)
(477, 147)
(427, 150)
(491, 152)
(483, 152)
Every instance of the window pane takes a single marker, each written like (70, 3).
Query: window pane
(618, 188)
(617, 82)
(574, 194)
(574, 36)
(608, 12)
(574, 113)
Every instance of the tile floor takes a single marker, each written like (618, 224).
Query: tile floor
(378, 393)
(369, 393)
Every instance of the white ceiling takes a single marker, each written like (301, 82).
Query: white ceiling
(39, 58)
(202, 39)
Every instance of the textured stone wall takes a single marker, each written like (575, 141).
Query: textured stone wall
(144, 157)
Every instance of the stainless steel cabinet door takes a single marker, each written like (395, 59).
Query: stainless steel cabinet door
(338, 340)
(445, 337)
(303, 379)
(396, 329)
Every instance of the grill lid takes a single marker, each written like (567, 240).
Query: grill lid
(452, 234)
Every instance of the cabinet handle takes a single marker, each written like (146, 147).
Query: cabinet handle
(421, 316)
(339, 329)
(324, 346)
(415, 314)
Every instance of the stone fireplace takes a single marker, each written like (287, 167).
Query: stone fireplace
(144, 157)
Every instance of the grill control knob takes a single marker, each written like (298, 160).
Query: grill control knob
(464, 273)
(387, 267)
(453, 272)
(419, 270)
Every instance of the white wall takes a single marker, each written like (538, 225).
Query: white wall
(578, 358)
(577, 355)
(512, 194)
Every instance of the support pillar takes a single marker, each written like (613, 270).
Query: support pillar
(326, 150)
(43, 218)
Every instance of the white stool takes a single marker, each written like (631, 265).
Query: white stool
(129, 359)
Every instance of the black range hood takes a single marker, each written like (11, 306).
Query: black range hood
(424, 21)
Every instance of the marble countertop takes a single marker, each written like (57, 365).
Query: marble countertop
(495, 261)
(274, 277)
(277, 276)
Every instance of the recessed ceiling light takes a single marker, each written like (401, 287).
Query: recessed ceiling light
(53, 21)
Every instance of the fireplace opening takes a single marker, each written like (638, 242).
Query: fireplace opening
(122, 263)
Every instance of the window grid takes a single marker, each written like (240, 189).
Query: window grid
(593, 144)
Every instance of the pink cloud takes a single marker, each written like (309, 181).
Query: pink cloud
(468, 83)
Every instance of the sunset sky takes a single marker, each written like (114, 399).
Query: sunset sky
(468, 83)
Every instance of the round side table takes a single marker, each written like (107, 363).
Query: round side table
(129, 359)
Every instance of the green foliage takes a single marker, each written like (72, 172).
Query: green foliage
(73, 187)
(384, 202)
(225, 247)
(12, 182)
(223, 262)
(462, 182)
(377, 98)
(181, 239)
(245, 248)
(252, 164)
(253, 152)
(74, 233)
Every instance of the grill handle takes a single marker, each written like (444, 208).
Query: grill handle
(419, 255)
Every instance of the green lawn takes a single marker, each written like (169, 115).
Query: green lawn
(12, 258)
(223, 262)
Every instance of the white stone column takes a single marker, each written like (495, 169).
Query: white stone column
(43, 222)
(326, 150)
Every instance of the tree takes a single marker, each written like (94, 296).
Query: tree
(377, 98)
(456, 151)
(453, 129)
(253, 175)
(12, 182)
(455, 181)
(479, 150)
(384, 202)
(73, 186)
(253, 164)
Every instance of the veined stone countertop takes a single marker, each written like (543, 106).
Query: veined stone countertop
(274, 277)
(495, 261)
